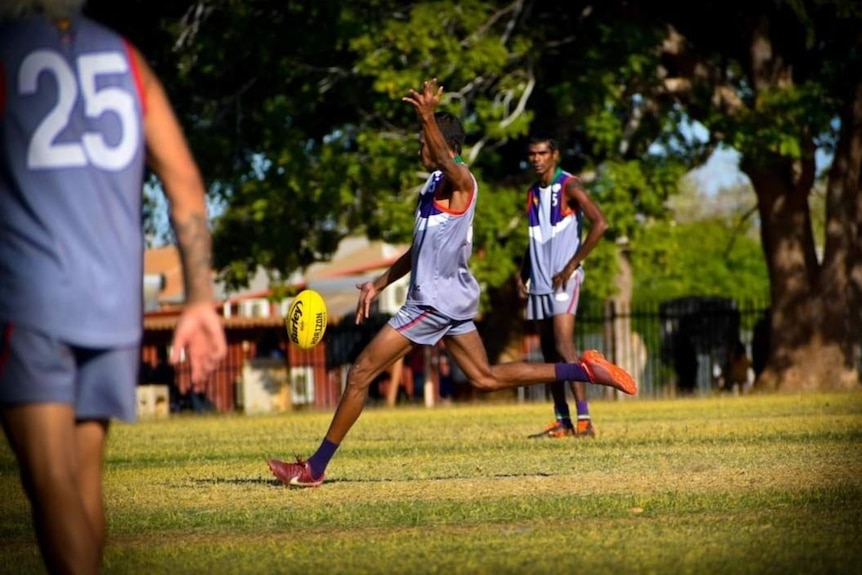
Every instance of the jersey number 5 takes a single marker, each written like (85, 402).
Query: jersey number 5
(44, 151)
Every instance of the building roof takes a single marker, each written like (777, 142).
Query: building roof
(355, 256)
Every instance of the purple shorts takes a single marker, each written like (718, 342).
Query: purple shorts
(427, 326)
(36, 368)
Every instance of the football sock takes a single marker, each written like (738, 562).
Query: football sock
(583, 409)
(321, 457)
(571, 372)
(561, 411)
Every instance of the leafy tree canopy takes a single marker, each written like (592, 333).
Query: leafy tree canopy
(294, 111)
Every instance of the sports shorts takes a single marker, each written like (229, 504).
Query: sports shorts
(426, 326)
(37, 368)
(562, 301)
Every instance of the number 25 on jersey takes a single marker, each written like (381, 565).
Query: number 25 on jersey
(44, 148)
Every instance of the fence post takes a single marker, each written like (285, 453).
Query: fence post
(609, 324)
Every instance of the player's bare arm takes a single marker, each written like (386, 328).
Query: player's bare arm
(198, 333)
(460, 188)
(169, 156)
(576, 193)
(369, 290)
(523, 275)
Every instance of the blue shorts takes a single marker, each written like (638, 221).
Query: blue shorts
(562, 301)
(36, 368)
(426, 326)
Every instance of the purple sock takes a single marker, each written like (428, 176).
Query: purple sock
(583, 409)
(571, 372)
(321, 457)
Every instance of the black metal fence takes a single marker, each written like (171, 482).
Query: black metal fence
(676, 346)
(671, 347)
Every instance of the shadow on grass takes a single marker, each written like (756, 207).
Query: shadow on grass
(272, 482)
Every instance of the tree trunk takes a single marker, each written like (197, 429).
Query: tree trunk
(844, 224)
(815, 309)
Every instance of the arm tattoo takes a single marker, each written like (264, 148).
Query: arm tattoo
(195, 246)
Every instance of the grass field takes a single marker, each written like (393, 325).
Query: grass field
(736, 485)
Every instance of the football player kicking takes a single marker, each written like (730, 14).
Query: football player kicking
(443, 297)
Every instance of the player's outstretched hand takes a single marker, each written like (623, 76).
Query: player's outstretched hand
(367, 293)
(200, 335)
(427, 100)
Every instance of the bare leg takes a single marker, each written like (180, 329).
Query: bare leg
(469, 352)
(548, 341)
(91, 436)
(45, 442)
(386, 347)
(395, 382)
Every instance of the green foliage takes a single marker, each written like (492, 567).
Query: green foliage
(294, 111)
(499, 236)
(780, 121)
(324, 111)
(458, 44)
(304, 137)
(600, 269)
(705, 257)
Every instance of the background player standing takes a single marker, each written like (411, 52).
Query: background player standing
(552, 274)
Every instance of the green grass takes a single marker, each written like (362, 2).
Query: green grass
(722, 485)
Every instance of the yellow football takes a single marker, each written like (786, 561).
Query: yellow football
(306, 319)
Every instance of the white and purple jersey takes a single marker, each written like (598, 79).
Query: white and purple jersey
(442, 245)
(555, 231)
(71, 171)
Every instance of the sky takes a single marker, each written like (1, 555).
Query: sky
(720, 171)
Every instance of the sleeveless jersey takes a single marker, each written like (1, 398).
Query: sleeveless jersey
(442, 245)
(71, 174)
(555, 231)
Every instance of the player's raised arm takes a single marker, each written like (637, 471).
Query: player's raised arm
(440, 154)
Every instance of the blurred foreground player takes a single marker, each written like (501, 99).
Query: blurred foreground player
(80, 113)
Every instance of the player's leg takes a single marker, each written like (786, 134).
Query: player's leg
(469, 352)
(565, 308)
(106, 383)
(42, 436)
(562, 425)
(38, 377)
(386, 347)
(395, 382)
(90, 439)
(564, 347)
